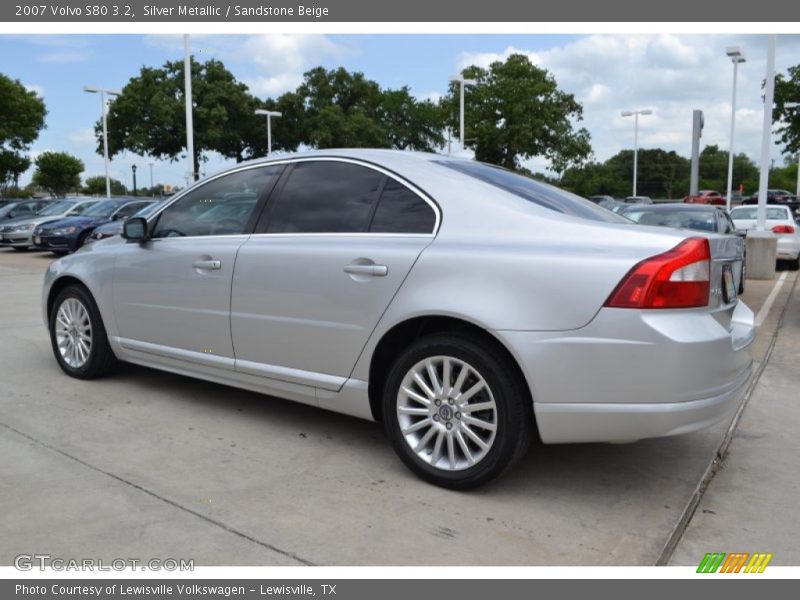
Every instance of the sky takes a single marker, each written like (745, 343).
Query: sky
(670, 74)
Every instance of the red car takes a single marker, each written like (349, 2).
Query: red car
(706, 197)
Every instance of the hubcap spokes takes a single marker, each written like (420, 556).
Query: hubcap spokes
(73, 332)
(447, 413)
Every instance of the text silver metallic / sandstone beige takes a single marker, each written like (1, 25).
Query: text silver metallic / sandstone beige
(464, 306)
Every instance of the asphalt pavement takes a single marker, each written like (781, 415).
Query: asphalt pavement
(149, 464)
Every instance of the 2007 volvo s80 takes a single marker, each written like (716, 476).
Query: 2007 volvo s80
(466, 307)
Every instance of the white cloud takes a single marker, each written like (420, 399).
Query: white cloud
(82, 138)
(64, 56)
(35, 88)
(672, 74)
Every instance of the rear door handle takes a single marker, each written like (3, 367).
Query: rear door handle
(208, 265)
(372, 270)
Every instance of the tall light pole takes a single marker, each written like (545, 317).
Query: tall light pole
(796, 106)
(461, 84)
(736, 56)
(103, 109)
(270, 114)
(187, 93)
(151, 163)
(635, 114)
(766, 135)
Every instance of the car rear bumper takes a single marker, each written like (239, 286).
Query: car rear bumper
(788, 247)
(634, 374)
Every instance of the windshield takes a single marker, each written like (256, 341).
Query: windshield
(150, 209)
(81, 208)
(56, 208)
(103, 209)
(774, 213)
(699, 220)
(539, 193)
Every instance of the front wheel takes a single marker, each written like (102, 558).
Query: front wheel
(77, 335)
(457, 413)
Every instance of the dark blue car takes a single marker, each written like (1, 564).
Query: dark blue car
(67, 235)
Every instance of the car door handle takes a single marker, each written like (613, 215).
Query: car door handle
(208, 265)
(372, 270)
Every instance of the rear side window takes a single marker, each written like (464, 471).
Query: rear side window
(325, 197)
(544, 195)
(402, 211)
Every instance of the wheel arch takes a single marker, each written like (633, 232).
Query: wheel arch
(58, 285)
(400, 335)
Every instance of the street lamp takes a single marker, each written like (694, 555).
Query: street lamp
(635, 114)
(736, 56)
(152, 192)
(796, 106)
(461, 83)
(269, 114)
(133, 168)
(103, 109)
(187, 94)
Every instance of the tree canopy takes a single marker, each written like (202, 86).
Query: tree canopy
(96, 185)
(515, 112)
(58, 172)
(22, 114)
(787, 91)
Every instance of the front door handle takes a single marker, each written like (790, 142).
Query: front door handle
(208, 265)
(371, 270)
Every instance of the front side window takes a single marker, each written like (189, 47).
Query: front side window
(325, 197)
(223, 206)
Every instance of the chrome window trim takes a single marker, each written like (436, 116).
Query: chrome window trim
(286, 161)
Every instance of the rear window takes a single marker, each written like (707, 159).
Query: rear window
(542, 194)
(774, 213)
(699, 220)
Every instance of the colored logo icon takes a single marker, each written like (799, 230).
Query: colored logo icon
(735, 562)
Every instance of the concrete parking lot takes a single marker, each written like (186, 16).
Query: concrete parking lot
(149, 464)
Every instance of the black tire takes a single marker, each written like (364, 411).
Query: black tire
(101, 359)
(20, 248)
(514, 410)
(82, 240)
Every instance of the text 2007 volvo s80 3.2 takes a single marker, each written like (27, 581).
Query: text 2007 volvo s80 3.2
(465, 307)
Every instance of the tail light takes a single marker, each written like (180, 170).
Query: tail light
(783, 229)
(678, 278)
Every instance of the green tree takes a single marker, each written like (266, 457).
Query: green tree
(411, 124)
(12, 165)
(516, 112)
(787, 90)
(660, 173)
(149, 117)
(96, 185)
(22, 114)
(58, 172)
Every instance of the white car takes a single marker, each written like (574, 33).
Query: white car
(780, 221)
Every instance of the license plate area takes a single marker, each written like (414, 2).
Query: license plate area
(728, 285)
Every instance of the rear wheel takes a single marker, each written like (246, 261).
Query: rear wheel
(457, 413)
(77, 335)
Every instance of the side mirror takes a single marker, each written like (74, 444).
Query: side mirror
(135, 229)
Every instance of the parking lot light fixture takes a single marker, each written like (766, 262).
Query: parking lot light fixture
(462, 82)
(736, 56)
(766, 135)
(103, 111)
(270, 114)
(796, 106)
(635, 114)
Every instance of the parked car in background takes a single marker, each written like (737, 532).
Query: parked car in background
(781, 221)
(599, 199)
(69, 234)
(18, 233)
(113, 228)
(701, 217)
(774, 196)
(638, 200)
(23, 208)
(450, 299)
(706, 197)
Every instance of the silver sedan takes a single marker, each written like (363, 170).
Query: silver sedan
(464, 306)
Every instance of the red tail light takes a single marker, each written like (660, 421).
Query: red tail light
(783, 229)
(678, 278)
